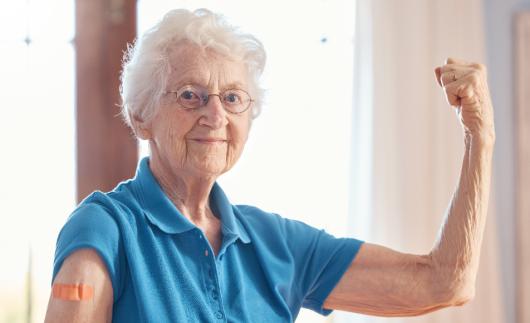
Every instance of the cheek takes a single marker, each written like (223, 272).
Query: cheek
(174, 140)
(170, 135)
(239, 138)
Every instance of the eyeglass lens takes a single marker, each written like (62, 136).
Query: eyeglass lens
(193, 97)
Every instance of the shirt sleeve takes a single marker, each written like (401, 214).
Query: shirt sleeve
(320, 261)
(92, 226)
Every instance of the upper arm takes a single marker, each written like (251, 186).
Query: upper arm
(318, 260)
(83, 266)
(384, 282)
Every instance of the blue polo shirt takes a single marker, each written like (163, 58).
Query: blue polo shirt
(163, 268)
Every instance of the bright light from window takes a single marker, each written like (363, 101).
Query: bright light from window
(37, 162)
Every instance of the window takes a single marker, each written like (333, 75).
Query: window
(37, 189)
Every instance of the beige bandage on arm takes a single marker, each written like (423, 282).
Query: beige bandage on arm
(73, 292)
(81, 291)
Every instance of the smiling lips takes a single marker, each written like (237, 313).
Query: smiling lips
(209, 141)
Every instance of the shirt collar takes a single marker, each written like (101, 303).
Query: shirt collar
(162, 213)
(221, 206)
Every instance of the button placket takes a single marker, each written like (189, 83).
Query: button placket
(219, 315)
(212, 284)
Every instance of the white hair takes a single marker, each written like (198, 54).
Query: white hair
(146, 65)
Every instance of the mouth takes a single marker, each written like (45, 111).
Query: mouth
(209, 141)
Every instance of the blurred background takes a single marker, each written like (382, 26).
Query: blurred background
(355, 136)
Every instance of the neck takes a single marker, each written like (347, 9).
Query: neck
(188, 191)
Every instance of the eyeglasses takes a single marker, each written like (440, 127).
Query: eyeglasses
(192, 97)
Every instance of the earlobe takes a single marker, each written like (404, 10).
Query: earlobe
(141, 128)
(143, 134)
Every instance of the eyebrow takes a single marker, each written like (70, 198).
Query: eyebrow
(233, 85)
(193, 81)
(186, 81)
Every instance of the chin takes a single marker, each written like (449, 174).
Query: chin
(211, 167)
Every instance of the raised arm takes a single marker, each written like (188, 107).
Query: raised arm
(388, 283)
(81, 291)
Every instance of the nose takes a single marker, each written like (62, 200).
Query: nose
(214, 115)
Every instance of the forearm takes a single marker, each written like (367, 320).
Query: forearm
(455, 256)
(385, 282)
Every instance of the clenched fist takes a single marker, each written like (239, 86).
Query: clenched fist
(466, 88)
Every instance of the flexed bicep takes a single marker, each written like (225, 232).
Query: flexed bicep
(384, 282)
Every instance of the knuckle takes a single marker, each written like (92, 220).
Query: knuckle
(481, 68)
(475, 77)
(484, 70)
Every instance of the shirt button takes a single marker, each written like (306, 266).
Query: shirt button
(219, 315)
(206, 252)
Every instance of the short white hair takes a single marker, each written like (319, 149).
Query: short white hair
(146, 65)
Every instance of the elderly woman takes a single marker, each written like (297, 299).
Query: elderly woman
(168, 246)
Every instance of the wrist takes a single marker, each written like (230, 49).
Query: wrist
(484, 137)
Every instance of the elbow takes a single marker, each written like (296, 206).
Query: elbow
(463, 294)
(452, 296)
(457, 293)
(452, 286)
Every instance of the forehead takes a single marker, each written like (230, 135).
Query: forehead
(191, 64)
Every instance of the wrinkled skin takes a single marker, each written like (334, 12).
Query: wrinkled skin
(190, 149)
(384, 282)
(380, 281)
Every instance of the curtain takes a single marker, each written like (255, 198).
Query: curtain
(408, 143)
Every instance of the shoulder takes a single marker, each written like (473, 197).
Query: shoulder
(100, 219)
(258, 220)
(252, 213)
(106, 209)
(122, 197)
(96, 212)
(103, 216)
(93, 223)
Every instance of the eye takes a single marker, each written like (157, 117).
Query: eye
(232, 97)
(189, 98)
(188, 95)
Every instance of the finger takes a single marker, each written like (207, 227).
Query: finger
(438, 73)
(456, 91)
(448, 78)
(455, 67)
(451, 77)
(453, 99)
(455, 75)
(452, 60)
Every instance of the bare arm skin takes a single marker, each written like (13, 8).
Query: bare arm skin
(385, 282)
(83, 267)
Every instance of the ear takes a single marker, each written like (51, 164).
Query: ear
(141, 128)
